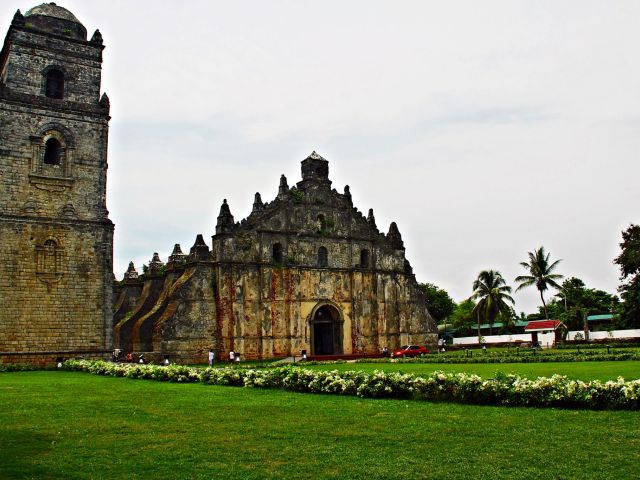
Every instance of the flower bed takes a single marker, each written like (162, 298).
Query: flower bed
(556, 391)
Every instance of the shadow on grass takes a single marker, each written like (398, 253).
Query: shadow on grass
(28, 448)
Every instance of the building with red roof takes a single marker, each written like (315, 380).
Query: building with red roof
(545, 326)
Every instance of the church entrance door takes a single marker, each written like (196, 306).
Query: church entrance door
(327, 331)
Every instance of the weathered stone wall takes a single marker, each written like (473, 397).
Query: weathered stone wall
(59, 308)
(265, 312)
(56, 240)
(258, 292)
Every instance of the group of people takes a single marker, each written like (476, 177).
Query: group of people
(233, 357)
(118, 356)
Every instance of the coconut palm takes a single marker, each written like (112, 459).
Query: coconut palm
(540, 274)
(492, 293)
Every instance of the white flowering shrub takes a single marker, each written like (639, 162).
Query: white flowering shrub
(171, 373)
(555, 391)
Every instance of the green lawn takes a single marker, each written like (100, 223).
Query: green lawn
(630, 370)
(74, 425)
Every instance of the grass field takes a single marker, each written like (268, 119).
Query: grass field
(630, 370)
(74, 425)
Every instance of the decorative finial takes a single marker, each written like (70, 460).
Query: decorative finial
(371, 220)
(96, 38)
(347, 194)
(257, 203)
(18, 19)
(224, 208)
(104, 101)
(284, 187)
(131, 273)
(200, 250)
(176, 258)
(226, 222)
(394, 237)
(155, 264)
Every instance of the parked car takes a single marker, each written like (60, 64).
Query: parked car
(410, 351)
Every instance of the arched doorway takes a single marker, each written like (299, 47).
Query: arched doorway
(326, 331)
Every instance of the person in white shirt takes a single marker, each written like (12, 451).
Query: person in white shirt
(211, 356)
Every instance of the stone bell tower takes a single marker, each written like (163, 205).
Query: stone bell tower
(56, 239)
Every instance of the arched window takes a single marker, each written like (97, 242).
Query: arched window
(364, 258)
(323, 257)
(277, 253)
(322, 224)
(52, 152)
(54, 84)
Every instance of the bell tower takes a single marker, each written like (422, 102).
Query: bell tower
(56, 239)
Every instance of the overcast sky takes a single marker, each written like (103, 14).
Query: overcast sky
(485, 129)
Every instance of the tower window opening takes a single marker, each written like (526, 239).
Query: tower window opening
(54, 86)
(323, 257)
(364, 258)
(277, 253)
(52, 152)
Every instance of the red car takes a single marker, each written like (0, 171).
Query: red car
(410, 351)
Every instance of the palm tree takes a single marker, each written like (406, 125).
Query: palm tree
(540, 274)
(493, 294)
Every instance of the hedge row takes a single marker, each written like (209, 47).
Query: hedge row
(556, 391)
(21, 367)
(525, 357)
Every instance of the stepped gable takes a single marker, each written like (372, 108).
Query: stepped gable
(312, 193)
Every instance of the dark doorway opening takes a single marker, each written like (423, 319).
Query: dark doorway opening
(327, 331)
(323, 339)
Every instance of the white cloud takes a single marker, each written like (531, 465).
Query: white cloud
(485, 129)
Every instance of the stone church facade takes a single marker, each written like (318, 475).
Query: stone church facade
(305, 272)
(56, 238)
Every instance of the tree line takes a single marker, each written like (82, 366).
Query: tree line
(491, 303)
